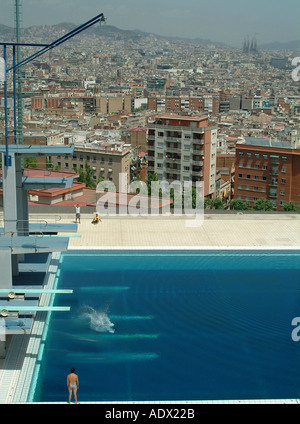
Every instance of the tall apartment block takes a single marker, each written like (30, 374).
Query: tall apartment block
(268, 169)
(183, 148)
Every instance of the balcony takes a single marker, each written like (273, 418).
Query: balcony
(198, 152)
(197, 162)
(173, 149)
(273, 183)
(198, 173)
(173, 160)
(273, 194)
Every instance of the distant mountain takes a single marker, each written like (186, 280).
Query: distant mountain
(109, 31)
(276, 45)
(6, 31)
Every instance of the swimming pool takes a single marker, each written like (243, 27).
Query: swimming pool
(174, 325)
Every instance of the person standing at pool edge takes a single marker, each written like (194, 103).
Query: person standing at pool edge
(77, 210)
(73, 384)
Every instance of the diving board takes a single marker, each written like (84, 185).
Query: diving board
(29, 244)
(25, 291)
(16, 308)
(36, 150)
(38, 183)
(52, 227)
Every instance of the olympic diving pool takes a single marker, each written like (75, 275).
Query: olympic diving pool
(174, 325)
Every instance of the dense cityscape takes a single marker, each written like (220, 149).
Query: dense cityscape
(104, 90)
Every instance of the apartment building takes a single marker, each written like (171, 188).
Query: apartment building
(183, 148)
(268, 169)
(105, 160)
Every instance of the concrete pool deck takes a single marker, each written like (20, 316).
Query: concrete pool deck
(217, 231)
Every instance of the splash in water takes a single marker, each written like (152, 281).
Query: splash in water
(98, 320)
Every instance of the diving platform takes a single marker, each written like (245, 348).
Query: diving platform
(48, 228)
(40, 183)
(33, 244)
(33, 308)
(35, 150)
(13, 290)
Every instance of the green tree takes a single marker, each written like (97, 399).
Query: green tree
(239, 205)
(290, 207)
(263, 205)
(151, 177)
(217, 203)
(86, 176)
(30, 162)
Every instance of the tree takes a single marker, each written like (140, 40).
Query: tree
(263, 205)
(239, 205)
(151, 177)
(30, 162)
(86, 176)
(217, 203)
(290, 207)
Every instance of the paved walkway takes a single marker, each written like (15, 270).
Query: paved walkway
(215, 231)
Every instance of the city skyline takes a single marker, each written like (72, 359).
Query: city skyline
(231, 22)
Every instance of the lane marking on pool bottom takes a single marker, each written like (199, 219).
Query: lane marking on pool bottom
(103, 288)
(113, 357)
(113, 336)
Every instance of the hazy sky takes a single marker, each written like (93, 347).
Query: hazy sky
(229, 21)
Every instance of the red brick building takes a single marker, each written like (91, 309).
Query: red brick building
(267, 169)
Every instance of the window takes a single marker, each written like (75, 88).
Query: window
(283, 170)
(283, 180)
(256, 166)
(264, 167)
(241, 165)
(160, 134)
(241, 153)
(240, 175)
(248, 165)
(282, 192)
(186, 168)
(240, 186)
(264, 178)
(265, 156)
(186, 158)
(255, 188)
(249, 155)
(247, 187)
(248, 177)
(255, 199)
(256, 155)
(263, 189)
(256, 177)
(284, 158)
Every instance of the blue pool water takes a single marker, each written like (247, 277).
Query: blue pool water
(174, 325)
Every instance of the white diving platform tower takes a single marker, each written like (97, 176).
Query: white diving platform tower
(19, 298)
